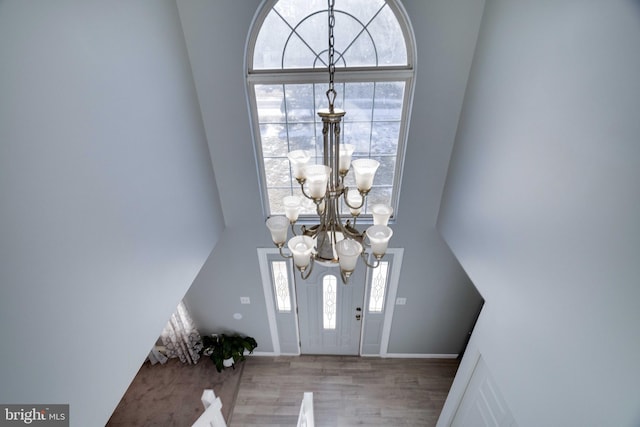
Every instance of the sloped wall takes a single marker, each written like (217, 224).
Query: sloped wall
(541, 208)
(109, 203)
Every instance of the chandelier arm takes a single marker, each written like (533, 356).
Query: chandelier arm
(365, 255)
(355, 236)
(339, 217)
(346, 230)
(345, 277)
(307, 270)
(311, 231)
(346, 200)
(304, 193)
(318, 211)
(325, 215)
(364, 241)
(338, 220)
(282, 254)
(293, 230)
(321, 237)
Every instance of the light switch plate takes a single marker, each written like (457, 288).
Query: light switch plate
(245, 300)
(401, 301)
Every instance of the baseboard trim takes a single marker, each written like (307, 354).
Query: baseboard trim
(271, 354)
(419, 356)
(388, 355)
(265, 353)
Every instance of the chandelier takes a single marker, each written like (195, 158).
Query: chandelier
(334, 240)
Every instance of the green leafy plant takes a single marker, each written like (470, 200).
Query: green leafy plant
(221, 347)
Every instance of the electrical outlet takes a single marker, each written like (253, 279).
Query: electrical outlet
(245, 300)
(401, 301)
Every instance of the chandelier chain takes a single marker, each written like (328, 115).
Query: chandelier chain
(331, 93)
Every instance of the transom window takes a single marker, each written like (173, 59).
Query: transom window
(287, 80)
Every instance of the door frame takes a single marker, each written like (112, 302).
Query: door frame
(392, 289)
(348, 298)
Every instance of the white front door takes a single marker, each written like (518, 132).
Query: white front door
(330, 312)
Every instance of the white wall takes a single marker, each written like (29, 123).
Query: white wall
(541, 207)
(108, 202)
(442, 301)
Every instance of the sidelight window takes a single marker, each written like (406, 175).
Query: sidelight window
(378, 291)
(280, 280)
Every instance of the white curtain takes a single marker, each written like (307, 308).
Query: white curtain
(180, 337)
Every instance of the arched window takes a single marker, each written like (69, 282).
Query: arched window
(287, 80)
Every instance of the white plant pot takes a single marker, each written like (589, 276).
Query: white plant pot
(228, 362)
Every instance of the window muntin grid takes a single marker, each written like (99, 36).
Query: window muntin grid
(372, 124)
(367, 33)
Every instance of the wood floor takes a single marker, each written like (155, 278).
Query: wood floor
(348, 391)
(169, 395)
(267, 392)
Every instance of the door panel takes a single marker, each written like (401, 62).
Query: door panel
(482, 404)
(341, 305)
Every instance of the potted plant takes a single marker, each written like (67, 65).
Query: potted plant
(226, 350)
